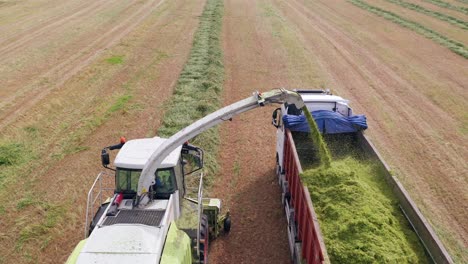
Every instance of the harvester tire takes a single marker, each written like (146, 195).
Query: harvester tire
(227, 224)
(204, 239)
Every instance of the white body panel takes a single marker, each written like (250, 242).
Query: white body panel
(122, 243)
(131, 243)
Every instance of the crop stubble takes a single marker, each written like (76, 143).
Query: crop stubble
(95, 104)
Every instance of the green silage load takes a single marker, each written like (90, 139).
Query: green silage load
(320, 145)
(359, 216)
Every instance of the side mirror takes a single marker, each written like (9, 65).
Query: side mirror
(274, 118)
(105, 160)
(193, 158)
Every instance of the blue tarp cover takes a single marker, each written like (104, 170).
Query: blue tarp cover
(328, 122)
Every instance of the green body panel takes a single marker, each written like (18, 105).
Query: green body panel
(177, 248)
(212, 208)
(76, 252)
(189, 216)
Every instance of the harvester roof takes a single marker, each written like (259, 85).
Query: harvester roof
(135, 153)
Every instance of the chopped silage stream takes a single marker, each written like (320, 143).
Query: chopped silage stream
(358, 214)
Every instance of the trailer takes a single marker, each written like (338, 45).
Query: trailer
(306, 240)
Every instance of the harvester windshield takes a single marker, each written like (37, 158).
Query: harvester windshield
(127, 182)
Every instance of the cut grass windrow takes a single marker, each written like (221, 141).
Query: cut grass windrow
(452, 20)
(454, 46)
(198, 90)
(443, 4)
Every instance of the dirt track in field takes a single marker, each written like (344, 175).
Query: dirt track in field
(153, 37)
(247, 182)
(413, 91)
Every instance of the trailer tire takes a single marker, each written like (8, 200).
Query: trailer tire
(278, 167)
(287, 197)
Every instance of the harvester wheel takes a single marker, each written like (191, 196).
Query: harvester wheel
(227, 224)
(204, 239)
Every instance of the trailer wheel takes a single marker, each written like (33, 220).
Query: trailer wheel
(204, 239)
(278, 167)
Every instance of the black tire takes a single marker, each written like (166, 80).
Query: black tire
(227, 224)
(204, 236)
(287, 197)
(278, 167)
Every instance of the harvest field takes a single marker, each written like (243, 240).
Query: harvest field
(77, 75)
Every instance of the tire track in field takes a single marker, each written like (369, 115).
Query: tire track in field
(23, 39)
(65, 70)
(401, 99)
(246, 182)
(21, 87)
(22, 20)
(57, 15)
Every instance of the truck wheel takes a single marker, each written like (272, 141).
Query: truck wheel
(204, 239)
(278, 167)
(227, 224)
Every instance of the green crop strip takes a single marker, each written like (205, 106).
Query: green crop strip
(443, 4)
(11, 153)
(452, 20)
(463, 1)
(115, 60)
(454, 46)
(198, 90)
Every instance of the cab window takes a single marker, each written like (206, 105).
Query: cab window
(165, 181)
(127, 180)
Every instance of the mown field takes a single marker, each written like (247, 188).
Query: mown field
(77, 75)
(434, 21)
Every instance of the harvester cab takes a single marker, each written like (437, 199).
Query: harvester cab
(169, 178)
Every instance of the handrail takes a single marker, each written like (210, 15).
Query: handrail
(91, 200)
(200, 211)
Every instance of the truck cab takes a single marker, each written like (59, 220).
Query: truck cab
(314, 100)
